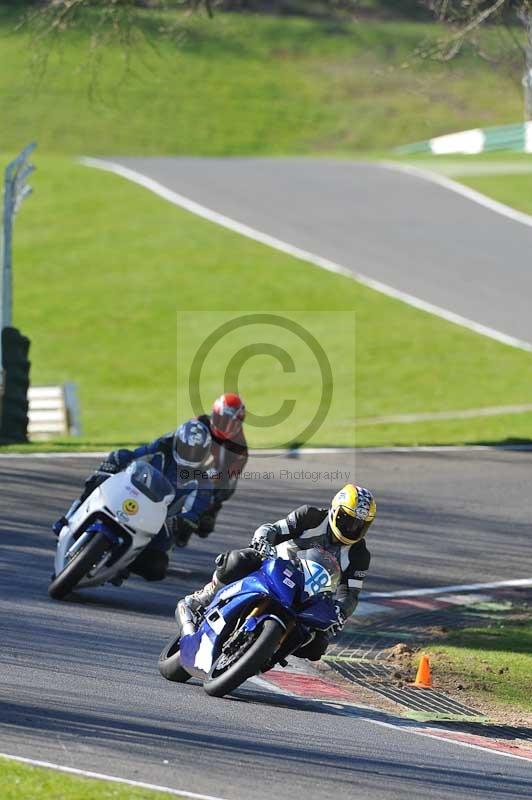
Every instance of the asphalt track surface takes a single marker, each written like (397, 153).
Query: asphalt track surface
(397, 228)
(80, 685)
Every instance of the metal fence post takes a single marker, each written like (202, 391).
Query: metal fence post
(15, 190)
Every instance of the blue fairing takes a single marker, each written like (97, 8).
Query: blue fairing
(319, 614)
(278, 579)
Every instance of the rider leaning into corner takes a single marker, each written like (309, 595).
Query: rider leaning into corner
(229, 453)
(182, 456)
(339, 529)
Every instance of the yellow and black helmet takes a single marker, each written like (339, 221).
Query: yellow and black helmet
(351, 513)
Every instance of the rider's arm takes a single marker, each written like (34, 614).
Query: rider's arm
(161, 445)
(115, 462)
(197, 502)
(352, 578)
(295, 524)
(229, 460)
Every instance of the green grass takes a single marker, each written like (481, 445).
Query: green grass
(23, 782)
(243, 84)
(507, 177)
(514, 190)
(495, 662)
(106, 273)
(101, 302)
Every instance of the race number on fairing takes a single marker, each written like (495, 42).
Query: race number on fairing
(317, 579)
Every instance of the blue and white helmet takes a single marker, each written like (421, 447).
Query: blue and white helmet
(192, 444)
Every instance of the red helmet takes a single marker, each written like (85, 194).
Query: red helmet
(227, 416)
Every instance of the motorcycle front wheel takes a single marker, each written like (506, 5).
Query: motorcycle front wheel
(226, 674)
(170, 665)
(78, 567)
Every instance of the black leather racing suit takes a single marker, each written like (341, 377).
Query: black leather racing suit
(302, 529)
(228, 459)
(308, 527)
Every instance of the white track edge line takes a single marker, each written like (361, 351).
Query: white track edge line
(303, 255)
(452, 589)
(418, 732)
(313, 451)
(409, 727)
(111, 778)
(461, 189)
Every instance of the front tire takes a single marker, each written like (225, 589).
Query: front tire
(170, 665)
(75, 570)
(222, 681)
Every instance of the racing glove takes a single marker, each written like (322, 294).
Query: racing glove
(116, 461)
(260, 541)
(341, 619)
(264, 548)
(266, 533)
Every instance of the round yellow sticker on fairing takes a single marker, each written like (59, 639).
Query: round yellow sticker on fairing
(130, 506)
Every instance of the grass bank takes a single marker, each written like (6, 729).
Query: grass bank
(24, 782)
(494, 662)
(116, 289)
(242, 84)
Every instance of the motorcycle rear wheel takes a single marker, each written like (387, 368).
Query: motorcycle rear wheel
(75, 570)
(261, 648)
(170, 665)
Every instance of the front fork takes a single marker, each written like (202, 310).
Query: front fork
(293, 638)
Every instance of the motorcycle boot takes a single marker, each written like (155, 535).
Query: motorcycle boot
(190, 609)
(58, 526)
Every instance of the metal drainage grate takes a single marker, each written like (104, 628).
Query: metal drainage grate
(369, 640)
(368, 645)
(415, 699)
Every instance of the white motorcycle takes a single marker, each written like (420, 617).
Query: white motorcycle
(111, 528)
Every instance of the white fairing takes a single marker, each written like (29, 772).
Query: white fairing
(137, 514)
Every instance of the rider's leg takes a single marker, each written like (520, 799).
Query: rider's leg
(314, 649)
(152, 562)
(207, 521)
(230, 566)
(181, 530)
(151, 565)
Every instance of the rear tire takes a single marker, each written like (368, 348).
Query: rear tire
(250, 663)
(66, 581)
(170, 665)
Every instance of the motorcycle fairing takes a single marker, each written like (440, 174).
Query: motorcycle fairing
(277, 579)
(108, 501)
(318, 614)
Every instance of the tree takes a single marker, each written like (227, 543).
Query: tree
(467, 18)
(123, 23)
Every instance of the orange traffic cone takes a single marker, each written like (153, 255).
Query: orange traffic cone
(423, 677)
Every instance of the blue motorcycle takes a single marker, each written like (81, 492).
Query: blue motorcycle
(255, 623)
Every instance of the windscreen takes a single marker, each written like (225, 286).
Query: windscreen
(150, 481)
(321, 570)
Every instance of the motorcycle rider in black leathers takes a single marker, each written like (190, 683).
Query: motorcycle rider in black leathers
(340, 530)
(229, 454)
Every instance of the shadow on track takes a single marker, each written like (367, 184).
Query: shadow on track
(286, 757)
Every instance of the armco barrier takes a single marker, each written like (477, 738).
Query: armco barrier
(517, 138)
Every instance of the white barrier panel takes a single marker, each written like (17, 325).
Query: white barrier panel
(468, 142)
(53, 411)
(528, 137)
